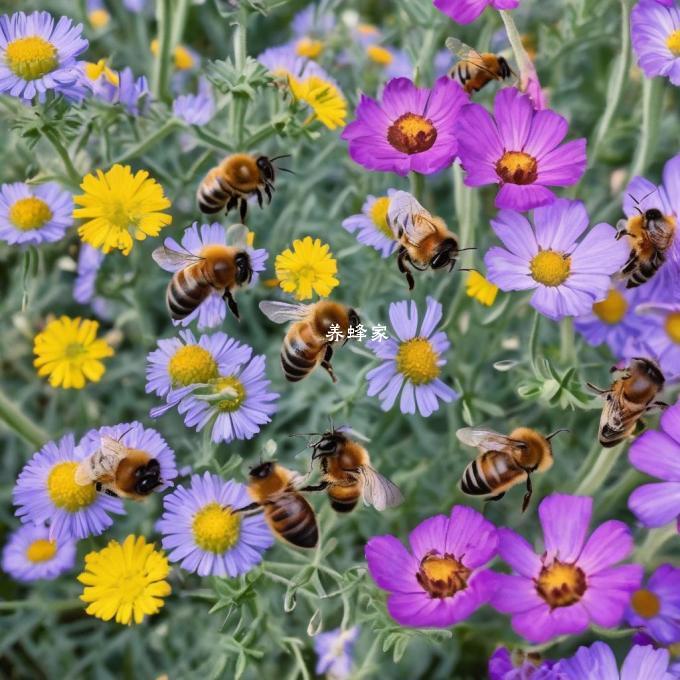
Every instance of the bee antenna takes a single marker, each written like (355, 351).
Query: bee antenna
(286, 170)
(552, 434)
(276, 158)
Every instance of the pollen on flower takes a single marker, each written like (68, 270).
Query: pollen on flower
(233, 390)
(645, 603)
(41, 550)
(612, 309)
(442, 575)
(379, 55)
(517, 167)
(63, 490)
(379, 215)
(307, 47)
(192, 364)
(32, 57)
(673, 42)
(672, 326)
(418, 361)
(29, 213)
(412, 133)
(216, 528)
(550, 267)
(561, 584)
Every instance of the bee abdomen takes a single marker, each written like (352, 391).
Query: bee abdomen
(185, 293)
(473, 482)
(343, 504)
(294, 519)
(295, 360)
(213, 193)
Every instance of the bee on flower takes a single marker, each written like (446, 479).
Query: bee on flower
(371, 226)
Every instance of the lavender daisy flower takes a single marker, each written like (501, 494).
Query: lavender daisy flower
(567, 277)
(34, 214)
(196, 109)
(30, 554)
(413, 360)
(311, 22)
(213, 309)
(519, 149)
(234, 405)
(334, 652)
(466, 11)
(202, 532)
(518, 666)
(410, 129)
(655, 31)
(84, 288)
(180, 365)
(656, 607)
(661, 338)
(37, 56)
(133, 94)
(284, 62)
(136, 6)
(46, 492)
(442, 580)
(371, 225)
(572, 581)
(657, 453)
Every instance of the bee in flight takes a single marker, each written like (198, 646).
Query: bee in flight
(474, 70)
(504, 462)
(221, 268)
(424, 241)
(310, 340)
(274, 490)
(235, 180)
(119, 471)
(348, 475)
(628, 399)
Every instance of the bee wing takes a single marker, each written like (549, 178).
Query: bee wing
(237, 235)
(486, 440)
(282, 312)
(407, 215)
(379, 491)
(113, 448)
(84, 473)
(172, 260)
(461, 50)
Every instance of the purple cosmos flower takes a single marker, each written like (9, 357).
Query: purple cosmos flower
(413, 360)
(655, 30)
(34, 214)
(37, 56)
(656, 607)
(518, 666)
(234, 405)
(466, 11)
(573, 581)
(567, 277)
(334, 652)
(30, 555)
(371, 225)
(519, 149)
(46, 492)
(597, 662)
(196, 109)
(181, 365)
(411, 128)
(657, 453)
(213, 309)
(202, 533)
(443, 579)
(284, 62)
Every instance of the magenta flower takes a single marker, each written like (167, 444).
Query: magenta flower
(519, 148)
(410, 129)
(466, 11)
(573, 581)
(443, 579)
(657, 453)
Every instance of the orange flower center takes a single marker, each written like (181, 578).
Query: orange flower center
(412, 133)
(442, 575)
(645, 603)
(561, 585)
(612, 309)
(517, 167)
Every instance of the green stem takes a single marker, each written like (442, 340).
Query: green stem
(652, 106)
(74, 176)
(600, 471)
(567, 353)
(262, 133)
(163, 62)
(656, 539)
(524, 63)
(533, 343)
(211, 140)
(240, 101)
(417, 185)
(151, 141)
(21, 424)
(425, 56)
(179, 20)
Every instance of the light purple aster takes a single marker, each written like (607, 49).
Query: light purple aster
(196, 109)
(334, 652)
(442, 580)
(311, 22)
(410, 129)
(466, 11)
(212, 311)
(133, 94)
(657, 453)
(413, 361)
(27, 555)
(655, 31)
(284, 61)
(661, 337)
(371, 227)
(84, 288)
(520, 149)
(135, 5)
(567, 276)
(201, 532)
(572, 581)
(45, 487)
(34, 214)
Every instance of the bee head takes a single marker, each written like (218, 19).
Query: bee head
(263, 470)
(265, 166)
(648, 368)
(328, 444)
(354, 319)
(446, 254)
(147, 477)
(653, 215)
(504, 68)
(244, 269)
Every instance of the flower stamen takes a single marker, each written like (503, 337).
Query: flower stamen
(561, 584)
(517, 167)
(612, 309)
(63, 490)
(191, 364)
(31, 57)
(216, 528)
(442, 575)
(30, 213)
(418, 361)
(412, 133)
(550, 267)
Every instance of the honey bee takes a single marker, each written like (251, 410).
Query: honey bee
(628, 399)
(291, 518)
(348, 475)
(311, 338)
(504, 461)
(424, 241)
(234, 180)
(474, 70)
(119, 471)
(221, 268)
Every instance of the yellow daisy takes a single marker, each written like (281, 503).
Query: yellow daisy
(126, 581)
(481, 289)
(118, 206)
(93, 71)
(324, 98)
(306, 269)
(69, 352)
(99, 18)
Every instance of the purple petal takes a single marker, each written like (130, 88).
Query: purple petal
(523, 197)
(610, 543)
(518, 553)
(565, 522)
(514, 230)
(392, 567)
(429, 536)
(470, 537)
(656, 453)
(656, 504)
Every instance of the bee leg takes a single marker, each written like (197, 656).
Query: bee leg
(231, 303)
(660, 404)
(527, 495)
(326, 362)
(268, 191)
(315, 487)
(108, 492)
(496, 498)
(98, 486)
(243, 209)
(401, 262)
(259, 197)
(247, 508)
(596, 389)
(231, 204)
(621, 233)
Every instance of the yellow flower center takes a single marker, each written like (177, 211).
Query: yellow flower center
(417, 360)
(674, 649)
(306, 47)
(183, 58)
(63, 490)
(561, 585)
(74, 350)
(235, 393)
(192, 364)
(412, 133)
(645, 603)
(550, 268)
(379, 55)
(32, 57)
(98, 18)
(442, 575)
(612, 309)
(29, 213)
(41, 551)
(379, 215)
(673, 327)
(517, 167)
(216, 528)
(673, 42)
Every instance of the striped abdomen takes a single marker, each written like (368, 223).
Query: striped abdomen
(293, 518)
(491, 473)
(344, 498)
(300, 353)
(639, 271)
(186, 290)
(214, 192)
